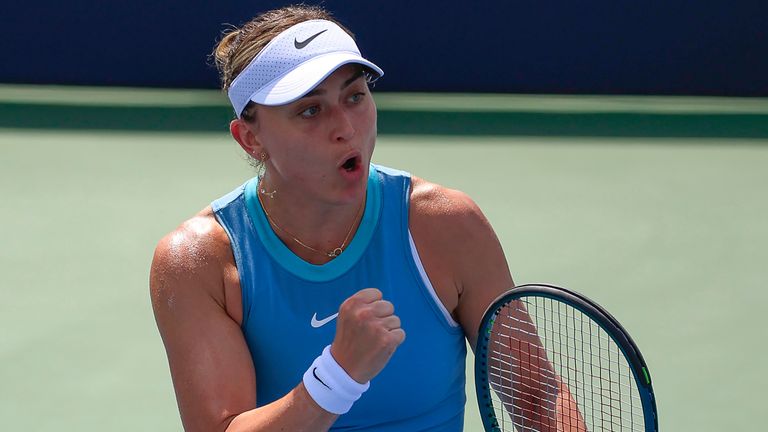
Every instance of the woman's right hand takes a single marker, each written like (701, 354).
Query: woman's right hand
(367, 334)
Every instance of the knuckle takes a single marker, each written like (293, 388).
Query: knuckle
(347, 306)
(387, 306)
(374, 293)
(383, 308)
(385, 343)
(363, 314)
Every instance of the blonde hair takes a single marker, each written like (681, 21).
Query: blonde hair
(240, 45)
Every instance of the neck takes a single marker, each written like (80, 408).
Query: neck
(312, 229)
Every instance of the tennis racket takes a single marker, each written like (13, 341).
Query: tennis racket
(550, 359)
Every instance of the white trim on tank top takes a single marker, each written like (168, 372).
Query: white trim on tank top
(428, 284)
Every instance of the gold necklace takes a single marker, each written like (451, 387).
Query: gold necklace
(332, 254)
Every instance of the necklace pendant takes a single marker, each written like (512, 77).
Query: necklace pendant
(336, 252)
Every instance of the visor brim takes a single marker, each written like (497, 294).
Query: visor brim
(305, 77)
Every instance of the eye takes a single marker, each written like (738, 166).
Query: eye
(357, 97)
(310, 112)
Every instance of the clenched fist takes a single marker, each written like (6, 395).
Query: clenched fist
(367, 334)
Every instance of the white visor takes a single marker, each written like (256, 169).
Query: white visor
(294, 63)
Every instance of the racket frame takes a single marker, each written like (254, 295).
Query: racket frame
(588, 307)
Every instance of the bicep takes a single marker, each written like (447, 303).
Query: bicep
(210, 364)
(483, 270)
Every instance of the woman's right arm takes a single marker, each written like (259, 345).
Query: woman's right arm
(210, 364)
(213, 375)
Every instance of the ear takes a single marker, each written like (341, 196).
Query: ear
(245, 135)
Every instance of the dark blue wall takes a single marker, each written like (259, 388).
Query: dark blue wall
(718, 47)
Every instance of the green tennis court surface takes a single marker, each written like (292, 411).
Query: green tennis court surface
(668, 234)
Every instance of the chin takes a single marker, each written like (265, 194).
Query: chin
(354, 189)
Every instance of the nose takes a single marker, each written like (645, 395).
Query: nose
(343, 127)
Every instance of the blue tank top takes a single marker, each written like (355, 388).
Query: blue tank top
(422, 386)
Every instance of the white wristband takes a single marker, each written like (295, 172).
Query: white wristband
(330, 385)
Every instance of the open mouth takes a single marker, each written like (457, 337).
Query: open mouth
(351, 164)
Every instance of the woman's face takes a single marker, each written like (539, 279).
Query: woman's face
(320, 145)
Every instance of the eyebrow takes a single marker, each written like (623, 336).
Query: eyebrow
(346, 84)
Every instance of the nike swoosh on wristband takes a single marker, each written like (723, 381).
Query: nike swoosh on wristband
(302, 44)
(319, 323)
(314, 373)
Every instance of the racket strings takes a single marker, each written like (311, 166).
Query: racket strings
(543, 353)
(503, 382)
(498, 372)
(571, 345)
(597, 340)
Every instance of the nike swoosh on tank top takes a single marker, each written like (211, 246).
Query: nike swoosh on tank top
(422, 386)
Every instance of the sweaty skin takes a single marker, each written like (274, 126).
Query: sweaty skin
(199, 313)
(194, 281)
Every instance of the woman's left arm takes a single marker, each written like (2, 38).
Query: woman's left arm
(460, 252)
(469, 271)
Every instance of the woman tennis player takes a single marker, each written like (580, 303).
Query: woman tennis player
(286, 303)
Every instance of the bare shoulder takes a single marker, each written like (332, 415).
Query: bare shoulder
(451, 228)
(193, 260)
(459, 248)
(448, 212)
(197, 305)
(448, 229)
